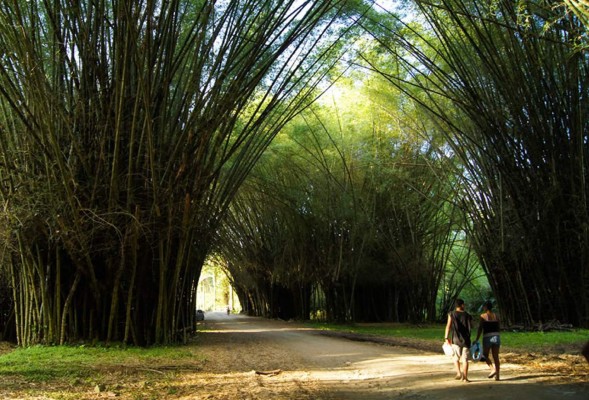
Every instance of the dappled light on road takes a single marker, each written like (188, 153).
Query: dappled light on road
(313, 366)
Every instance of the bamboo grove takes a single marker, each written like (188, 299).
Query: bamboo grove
(126, 128)
(500, 90)
(138, 138)
(516, 73)
(348, 218)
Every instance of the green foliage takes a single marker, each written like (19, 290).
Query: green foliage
(539, 341)
(46, 363)
(214, 291)
(510, 341)
(125, 130)
(483, 72)
(349, 198)
(400, 330)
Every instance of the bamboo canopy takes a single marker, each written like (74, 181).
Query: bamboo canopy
(507, 83)
(347, 217)
(125, 129)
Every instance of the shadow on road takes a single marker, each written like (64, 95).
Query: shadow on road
(338, 368)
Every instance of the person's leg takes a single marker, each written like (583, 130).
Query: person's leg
(495, 350)
(456, 359)
(487, 346)
(465, 372)
(486, 350)
(464, 360)
(458, 372)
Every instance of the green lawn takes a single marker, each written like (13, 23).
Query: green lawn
(42, 363)
(515, 341)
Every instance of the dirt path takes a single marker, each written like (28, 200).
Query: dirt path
(313, 366)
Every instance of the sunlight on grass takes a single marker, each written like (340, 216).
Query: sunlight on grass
(518, 341)
(535, 341)
(42, 363)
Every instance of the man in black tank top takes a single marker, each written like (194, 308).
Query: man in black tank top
(457, 334)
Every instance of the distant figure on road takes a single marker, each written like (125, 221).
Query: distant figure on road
(489, 327)
(585, 351)
(459, 324)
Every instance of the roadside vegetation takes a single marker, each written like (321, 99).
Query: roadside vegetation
(551, 342)
(435, 167)
(73, 372)
(343, 160)
(43, 363)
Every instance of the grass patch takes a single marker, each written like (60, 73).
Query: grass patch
(74, 372)
(566, 341)
(45, 363)
(426, 332)
(551, 341)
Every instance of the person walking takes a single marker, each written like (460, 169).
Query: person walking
(459, 325)
(489, 328)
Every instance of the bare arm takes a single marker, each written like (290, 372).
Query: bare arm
(447, 332)
(480, 330)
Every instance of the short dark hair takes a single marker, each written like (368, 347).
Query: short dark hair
(459, 302)
(489, 305)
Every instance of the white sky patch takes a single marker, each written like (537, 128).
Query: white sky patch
(405, 11)
(387, 5)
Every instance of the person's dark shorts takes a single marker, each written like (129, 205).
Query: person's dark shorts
(494, 340)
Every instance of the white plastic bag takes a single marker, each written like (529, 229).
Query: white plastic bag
(447, 347)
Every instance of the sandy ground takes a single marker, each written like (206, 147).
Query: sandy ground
(253, 358)
(315, 366)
